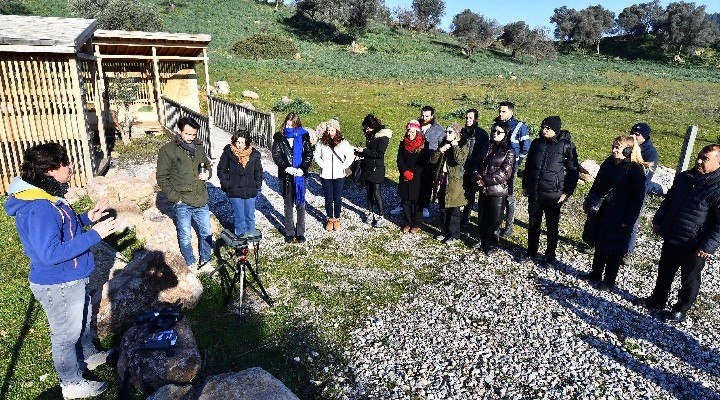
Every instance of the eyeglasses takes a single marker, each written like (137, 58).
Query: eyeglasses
(616, 146)
(449, 131)
(547, 127)
(636, 133)
(498, 131)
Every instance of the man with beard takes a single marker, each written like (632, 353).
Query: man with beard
(476, 138)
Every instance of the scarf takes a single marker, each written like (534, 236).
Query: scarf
(242, 154)
(51, 186)
(415, 145)
(296, 135)
(188, 147)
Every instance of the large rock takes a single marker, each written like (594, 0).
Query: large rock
(662, 180)
(589, 170)
(148, 370)
(221, 87)
(250, 384)
(151, 280)
(122, 187)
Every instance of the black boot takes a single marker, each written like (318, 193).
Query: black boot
(509, 216)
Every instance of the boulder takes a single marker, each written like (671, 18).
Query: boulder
(589, 170)
(170, 392)
(149, 370)
(151, 280)
(286, 100)
(250, 94)
(250, 384)
(75, 193)
(137, 132)
(662, 180)
(247, 105)
(221, 87)
(122, 186)
(128, 215)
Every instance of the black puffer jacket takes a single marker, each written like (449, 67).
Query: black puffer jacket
(551, 168)
(282, 156)
(238, 181)
(689, 216)
(416, 162)
(495, 165)
(609, 230)
(373, 163)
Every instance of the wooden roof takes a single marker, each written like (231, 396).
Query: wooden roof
(138, 44)
(31, 34)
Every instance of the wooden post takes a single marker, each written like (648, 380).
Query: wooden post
(98, 108)
(686, 154)
(158, 88)
(207, 88)
(100, 97)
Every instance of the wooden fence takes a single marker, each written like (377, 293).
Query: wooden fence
(40, 102)
(232, 117)
(174, 111)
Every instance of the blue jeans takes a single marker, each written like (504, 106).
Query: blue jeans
(185, 215)
(243, 214)
(333, 189)
(69, 310)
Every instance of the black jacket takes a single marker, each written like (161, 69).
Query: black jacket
(609, 230)
(282, 156)
(495, 165)
(415, 162)
(373, 163)
(689, 216)
(238, 181)
(551, 168)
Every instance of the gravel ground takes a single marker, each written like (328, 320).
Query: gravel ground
(490, 327)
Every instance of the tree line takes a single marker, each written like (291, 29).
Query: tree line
(681, 27)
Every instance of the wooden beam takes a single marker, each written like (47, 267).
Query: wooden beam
(75, 93)
(158, 88)
(207, 87)
(98, 107)
(152, 57)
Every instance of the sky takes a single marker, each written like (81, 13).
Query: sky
(536, 13)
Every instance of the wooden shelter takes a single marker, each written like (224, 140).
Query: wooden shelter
(54, 79)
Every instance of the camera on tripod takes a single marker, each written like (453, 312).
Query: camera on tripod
(233, 263)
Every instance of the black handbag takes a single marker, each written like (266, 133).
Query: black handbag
(594, 201)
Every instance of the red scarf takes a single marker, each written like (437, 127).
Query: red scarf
(415, 145)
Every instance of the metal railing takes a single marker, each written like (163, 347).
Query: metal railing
(232, 117)
(174, 111)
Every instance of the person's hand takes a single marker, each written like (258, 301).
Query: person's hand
(298, 172)
(203, 176)
(445, 148)
(561, 199)
(359, 149)
(703, 254)
(98, 211)
(106, 227)
(454, 143)
(290, 170)
(656, 229)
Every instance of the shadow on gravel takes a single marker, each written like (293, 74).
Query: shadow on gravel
(629, 325)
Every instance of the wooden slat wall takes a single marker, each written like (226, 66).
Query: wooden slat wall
(41, 101)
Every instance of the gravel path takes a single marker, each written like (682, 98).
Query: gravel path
(490, 327)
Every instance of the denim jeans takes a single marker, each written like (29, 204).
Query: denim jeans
(185, 215)
(69, 311)
(333, 189)
(243, 214)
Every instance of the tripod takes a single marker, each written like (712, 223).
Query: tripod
(234, 266)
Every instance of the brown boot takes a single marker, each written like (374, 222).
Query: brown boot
(336, 224)
(330, 224)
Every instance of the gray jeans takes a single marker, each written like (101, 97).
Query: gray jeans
(292, 229)
(68, 309)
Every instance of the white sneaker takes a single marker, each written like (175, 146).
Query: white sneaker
(380, 222)
(426, 213)
(440, 237)
(397, 210)
(369, 218)
(98, 359)
(82, 389)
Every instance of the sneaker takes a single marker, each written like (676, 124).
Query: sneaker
(192, 266)
(379, 223)
(478, 245)
(551, 263)
(301, 239)
(587, 250)
(426, 213)
(587, 277)
(507, 232)
(397, 210)
(98, 359)
(440, 237)
(524, 258)
(626, 260)
(672, 316)
(369, 218)
(603, 287)
(451, 241)
(82, 389)
(289, 239)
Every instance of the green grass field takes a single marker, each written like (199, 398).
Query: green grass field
(598, 98)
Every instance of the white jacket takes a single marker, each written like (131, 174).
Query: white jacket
(330, 166)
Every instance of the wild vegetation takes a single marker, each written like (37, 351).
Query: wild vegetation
(598, 97)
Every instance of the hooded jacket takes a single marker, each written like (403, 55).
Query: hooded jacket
(373, 163)
(52, 235)
(551, 168)
(333, 166)
(238, 181)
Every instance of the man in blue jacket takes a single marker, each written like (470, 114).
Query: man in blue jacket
(688, 220)
(53, 237)
(520, 141)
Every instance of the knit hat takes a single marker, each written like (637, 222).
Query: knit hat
(553, 122)
(414, 124)
(456, 127)
(451, 127)
(643, 129)
(334, 123)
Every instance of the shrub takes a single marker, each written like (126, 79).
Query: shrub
(131, 15)
(265, 46)
(298, 106)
